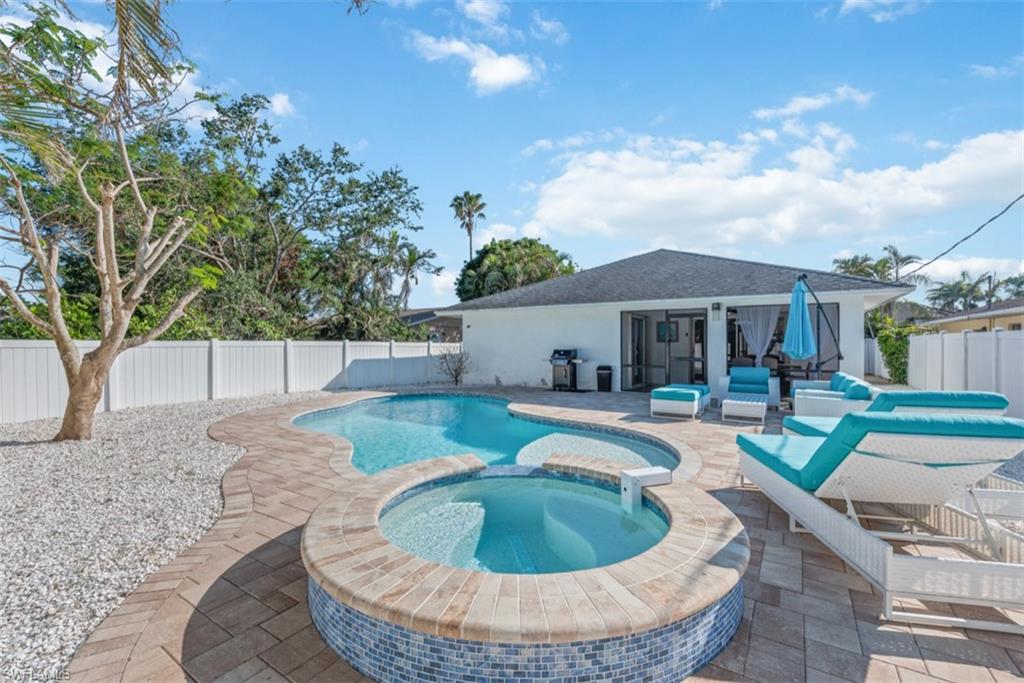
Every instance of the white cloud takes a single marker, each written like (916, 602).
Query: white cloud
(281, 105)
(882, 11)
(949, 268)
(497, 231)
(934, 145)
(989, 72)
(487, 18)
(548, 29)
(570, 142)
(489, 72)
(805, 103)
(715, 5)
(443, 284)
(713, 196)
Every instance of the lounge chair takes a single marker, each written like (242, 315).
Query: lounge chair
(680, 400)
(852, 395)
(899, 459)
(748, 392)
(933, 402)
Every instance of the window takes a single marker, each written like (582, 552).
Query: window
(1015, 327)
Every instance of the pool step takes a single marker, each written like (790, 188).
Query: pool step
(522, 555)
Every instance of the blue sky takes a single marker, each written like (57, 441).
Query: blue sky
(789, 133)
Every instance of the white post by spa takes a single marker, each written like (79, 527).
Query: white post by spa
(634, 481)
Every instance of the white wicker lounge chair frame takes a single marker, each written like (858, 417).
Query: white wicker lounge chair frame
(973, 582)
(774, 395)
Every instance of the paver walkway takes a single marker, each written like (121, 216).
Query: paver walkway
(233, 606)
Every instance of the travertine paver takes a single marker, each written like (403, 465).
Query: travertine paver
(808, 617)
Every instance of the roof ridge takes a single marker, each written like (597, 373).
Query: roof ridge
(832, 273)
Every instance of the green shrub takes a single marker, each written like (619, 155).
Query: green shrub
(894, 343)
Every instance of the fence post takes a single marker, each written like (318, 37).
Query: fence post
(942, 360)
(391, 363)
(344, 363)
(967, 360)
(289, 370)
(214, 369)
(430, 359)
(108, 389)
(995, 360)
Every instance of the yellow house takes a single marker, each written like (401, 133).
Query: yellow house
(1005, 315)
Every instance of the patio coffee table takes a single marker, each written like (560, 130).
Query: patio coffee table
(745, 405)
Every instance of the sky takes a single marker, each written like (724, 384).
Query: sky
(790, 133)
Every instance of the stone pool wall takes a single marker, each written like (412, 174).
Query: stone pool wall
(389, 652)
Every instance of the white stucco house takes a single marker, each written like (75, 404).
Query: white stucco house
(664, 316)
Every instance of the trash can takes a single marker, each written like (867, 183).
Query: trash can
(604, 378)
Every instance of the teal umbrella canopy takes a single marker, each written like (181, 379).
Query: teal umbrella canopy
(799, 340)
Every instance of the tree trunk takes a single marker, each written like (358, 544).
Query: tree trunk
(84, 394)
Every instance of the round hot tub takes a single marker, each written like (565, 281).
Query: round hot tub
(520, 523)
(448, 570)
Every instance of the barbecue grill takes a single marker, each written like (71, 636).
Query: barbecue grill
(563, 369)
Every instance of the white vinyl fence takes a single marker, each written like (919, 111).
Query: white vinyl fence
(32, 384)
(970, 361)
(874, 364)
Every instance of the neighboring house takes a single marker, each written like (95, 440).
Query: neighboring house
(443, 328)
(661, 317)
(1007, 315)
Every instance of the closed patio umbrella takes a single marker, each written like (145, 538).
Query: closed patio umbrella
(799, 340)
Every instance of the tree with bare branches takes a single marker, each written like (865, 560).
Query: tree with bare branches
(64, 134)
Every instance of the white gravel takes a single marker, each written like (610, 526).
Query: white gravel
(83, 523)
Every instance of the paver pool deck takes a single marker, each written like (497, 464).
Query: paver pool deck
(233, 606)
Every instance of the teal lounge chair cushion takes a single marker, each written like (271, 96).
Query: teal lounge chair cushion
(702, 389)
(857, 391)
(787, 456)
(846, 382)
(810, 426)
(853, 427)
(749, 380)
(887, 401)
(675, 394)
(836, 380)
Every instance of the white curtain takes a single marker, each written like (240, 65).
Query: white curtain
(758, 325)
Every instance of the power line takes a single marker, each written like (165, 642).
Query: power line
(966, 237)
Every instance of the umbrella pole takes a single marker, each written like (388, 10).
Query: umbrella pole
(839, 353)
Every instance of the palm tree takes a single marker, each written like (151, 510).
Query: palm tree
(1013, 286)
(413, 261)
(897, 263)
(965, 292)
(860, 265)
(469, 207)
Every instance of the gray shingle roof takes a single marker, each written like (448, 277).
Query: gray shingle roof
(667, 274)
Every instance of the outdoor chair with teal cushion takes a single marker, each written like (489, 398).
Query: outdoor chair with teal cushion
(742, 381)
(916, 461)
(850, 395)
(831, 384)
(680, 400)
(955, 402)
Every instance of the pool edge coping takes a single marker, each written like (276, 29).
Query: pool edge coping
(701, 558)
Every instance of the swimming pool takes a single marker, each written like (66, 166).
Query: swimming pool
(516, 524)
(397, 430)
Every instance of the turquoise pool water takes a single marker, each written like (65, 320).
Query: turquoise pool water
(402, 429)
(520, 525)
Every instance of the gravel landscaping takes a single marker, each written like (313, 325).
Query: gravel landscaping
(85, 522)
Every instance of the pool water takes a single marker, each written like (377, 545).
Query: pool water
(402, 429)
(521, 525)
